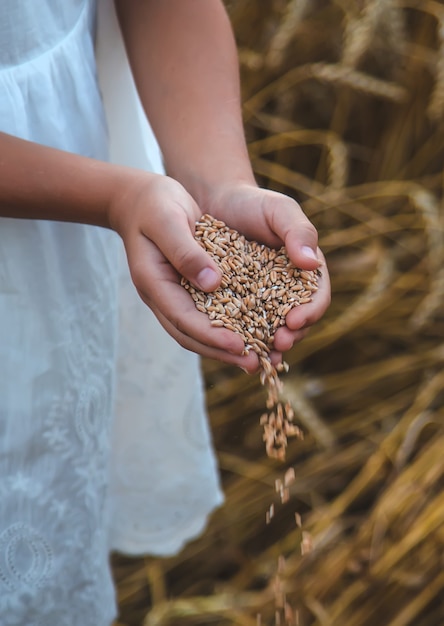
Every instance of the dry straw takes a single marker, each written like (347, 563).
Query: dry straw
(352, 128)
(285, 33)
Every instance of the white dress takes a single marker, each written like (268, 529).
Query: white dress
(104, 442)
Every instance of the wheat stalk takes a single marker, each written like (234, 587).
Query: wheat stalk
(330, 73)
(360, 28)
(286, 31)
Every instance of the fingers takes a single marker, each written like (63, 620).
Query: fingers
(308, 314)
(249, 363)
(301, 318)
(158, 286)
(271, 218)
(285, 338)
(293, 227)
(159, 209)
(172, 231)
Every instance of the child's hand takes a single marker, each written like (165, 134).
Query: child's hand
(155, 217)
(275, 219)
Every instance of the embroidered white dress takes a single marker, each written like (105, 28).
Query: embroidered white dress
(104, 442)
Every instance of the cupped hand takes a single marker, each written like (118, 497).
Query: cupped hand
(155, 216)
(275, 219)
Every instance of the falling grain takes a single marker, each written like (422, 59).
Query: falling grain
(259, 287)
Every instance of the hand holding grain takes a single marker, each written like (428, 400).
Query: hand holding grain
(156, 218)
(276, 220)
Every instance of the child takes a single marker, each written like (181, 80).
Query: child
(65, 211)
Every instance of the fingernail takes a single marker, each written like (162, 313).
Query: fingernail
(309, 253)
(236, 352)
(207, 279)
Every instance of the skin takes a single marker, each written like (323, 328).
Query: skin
(183, 57)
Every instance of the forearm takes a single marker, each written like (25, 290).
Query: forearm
(37, 182)
(184, 60)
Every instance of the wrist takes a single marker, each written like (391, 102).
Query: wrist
(208, 185)
(129, 185)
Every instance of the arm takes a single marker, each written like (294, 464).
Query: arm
(154, 214)
(37, 182)
(184, 60)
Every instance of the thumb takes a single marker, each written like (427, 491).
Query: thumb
(301, 243)
(177, 243)
(193, 262)
(208, 278)
(299, 235)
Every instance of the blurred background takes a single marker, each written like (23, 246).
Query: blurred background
(343, 107)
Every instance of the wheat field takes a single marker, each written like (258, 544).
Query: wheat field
(343, 107)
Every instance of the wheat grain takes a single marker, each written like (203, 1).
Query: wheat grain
(259, 287)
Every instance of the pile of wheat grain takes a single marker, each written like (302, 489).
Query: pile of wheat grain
(259, 287)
